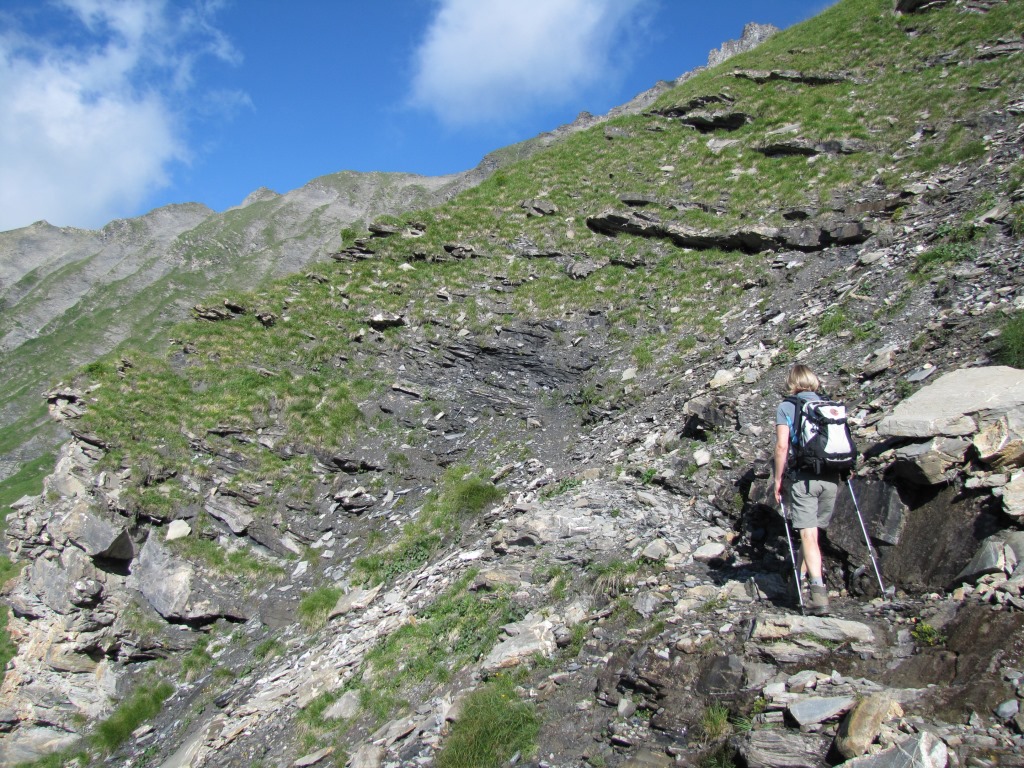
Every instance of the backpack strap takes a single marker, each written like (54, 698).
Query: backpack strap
(798, 413)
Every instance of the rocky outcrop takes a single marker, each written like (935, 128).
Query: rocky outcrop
(81, 610)
(793, 76)
(807, 148)
(755, 239)
(972, 416)
(918, 6)
(960, 404)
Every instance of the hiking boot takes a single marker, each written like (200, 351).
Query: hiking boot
(818, 605)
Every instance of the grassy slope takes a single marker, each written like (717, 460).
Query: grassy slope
(213, 253)
(894, 94)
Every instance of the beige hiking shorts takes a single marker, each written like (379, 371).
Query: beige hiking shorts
(811, 500)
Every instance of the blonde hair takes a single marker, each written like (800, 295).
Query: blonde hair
(802, 379)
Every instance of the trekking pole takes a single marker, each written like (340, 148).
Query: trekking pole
(867, 540)
(792, 559)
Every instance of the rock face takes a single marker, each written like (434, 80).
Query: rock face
(974, 414)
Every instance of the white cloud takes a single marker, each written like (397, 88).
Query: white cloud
(87, 131)
(485, 61)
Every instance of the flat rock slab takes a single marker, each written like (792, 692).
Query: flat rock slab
(818, 709)
(649, 759)
(368, 756)
(313, 758)
(782, 627)
(950, 405)
(355, 599)
(344, 708)
(922, 751)
(533, 635)
(781, 749)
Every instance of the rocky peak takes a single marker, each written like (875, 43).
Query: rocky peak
(753, 35)
(259, 195)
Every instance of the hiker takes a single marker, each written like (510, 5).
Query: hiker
(810, 496)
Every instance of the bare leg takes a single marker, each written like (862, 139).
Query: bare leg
(811, 552)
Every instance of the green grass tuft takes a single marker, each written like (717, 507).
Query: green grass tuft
(714, 723)
(451, 632)
(316, 606)
(494, 725)
(141, 706)
(1011, 342)
(461, 495)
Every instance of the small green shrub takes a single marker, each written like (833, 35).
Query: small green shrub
(462, 494)
(495, 724)
(615, 577)
(142, 705)
(451, 632)
(954, 233)
(643, 356)
(312, 715)
(1011, 342)
(713, 604)
(925, 634)
(196, 661)
(1017, 220)
(563, 486)
(720, 757)
(944, 253)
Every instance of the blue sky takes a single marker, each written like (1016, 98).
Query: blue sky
(110, 108)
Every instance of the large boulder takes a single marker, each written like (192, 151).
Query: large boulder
(176, 591)
(95, 535)
(959, 404)
(929, 463)
(770, 748)
(999, 441)
(862, 725)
